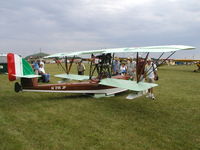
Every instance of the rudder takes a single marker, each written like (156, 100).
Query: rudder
(17, 67)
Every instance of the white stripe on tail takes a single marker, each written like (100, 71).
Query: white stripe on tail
(18, 65)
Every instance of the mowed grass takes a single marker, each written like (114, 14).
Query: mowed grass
(58, 121)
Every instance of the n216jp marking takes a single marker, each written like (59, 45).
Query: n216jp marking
(58, 87)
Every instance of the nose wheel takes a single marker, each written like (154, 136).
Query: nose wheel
(18, 87)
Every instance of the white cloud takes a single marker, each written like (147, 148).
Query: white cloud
(88, 24)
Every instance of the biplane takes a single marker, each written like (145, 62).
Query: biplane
(101, 84)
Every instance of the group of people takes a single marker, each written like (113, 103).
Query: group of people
(122, 68)
(148, 72)
(38, 67)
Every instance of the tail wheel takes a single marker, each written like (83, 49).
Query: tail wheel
(18, 87)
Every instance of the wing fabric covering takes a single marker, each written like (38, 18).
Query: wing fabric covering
(153, 49)
(72, 76)
(156, 49)
(127, 84)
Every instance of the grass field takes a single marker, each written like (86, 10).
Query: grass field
(54, 121)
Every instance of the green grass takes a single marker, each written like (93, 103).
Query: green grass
(54, 121)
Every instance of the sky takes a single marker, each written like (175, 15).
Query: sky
(52, 26)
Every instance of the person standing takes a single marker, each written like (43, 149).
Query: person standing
(116, 66)
(131, 68)
(35, 66)
(150, 73)
(80, 68)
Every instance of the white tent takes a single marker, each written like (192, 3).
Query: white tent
(3, 58)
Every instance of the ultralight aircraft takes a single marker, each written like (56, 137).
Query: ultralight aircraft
(104, 84)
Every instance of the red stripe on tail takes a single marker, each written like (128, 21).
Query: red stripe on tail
(11, 66)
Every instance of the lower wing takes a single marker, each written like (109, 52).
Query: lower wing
(127, 84)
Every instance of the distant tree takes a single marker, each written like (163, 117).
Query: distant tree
(36, 56)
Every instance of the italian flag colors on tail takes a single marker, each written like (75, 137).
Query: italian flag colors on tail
(18, 67)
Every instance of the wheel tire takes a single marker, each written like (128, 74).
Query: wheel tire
(18, 87)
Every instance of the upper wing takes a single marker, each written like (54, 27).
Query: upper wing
(168, 48)
(76, 53)
(72, 76)
(127, 84)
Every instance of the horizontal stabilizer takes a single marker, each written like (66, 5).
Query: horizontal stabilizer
(72, 76)
(27, 76)
(127, 84)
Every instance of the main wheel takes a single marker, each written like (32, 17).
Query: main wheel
(18, 87)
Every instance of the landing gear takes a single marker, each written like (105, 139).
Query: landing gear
(18, 87)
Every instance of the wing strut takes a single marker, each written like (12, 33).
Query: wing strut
(66, 65)
(70, 66)
(161, 62)
(90, 74)
(59, 63)
(92, 70)
(137, 62)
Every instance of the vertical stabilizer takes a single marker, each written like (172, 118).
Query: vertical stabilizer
(18, 67)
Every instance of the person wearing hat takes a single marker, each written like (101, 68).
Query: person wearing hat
(80, 68)
(150, 72)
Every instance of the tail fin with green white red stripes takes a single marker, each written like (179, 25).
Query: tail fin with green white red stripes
(18, 67)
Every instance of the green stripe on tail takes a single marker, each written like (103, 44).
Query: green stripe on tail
(27, 69)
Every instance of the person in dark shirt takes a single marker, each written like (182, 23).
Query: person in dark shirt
(140, 68)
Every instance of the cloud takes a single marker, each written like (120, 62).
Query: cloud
(64, 25)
